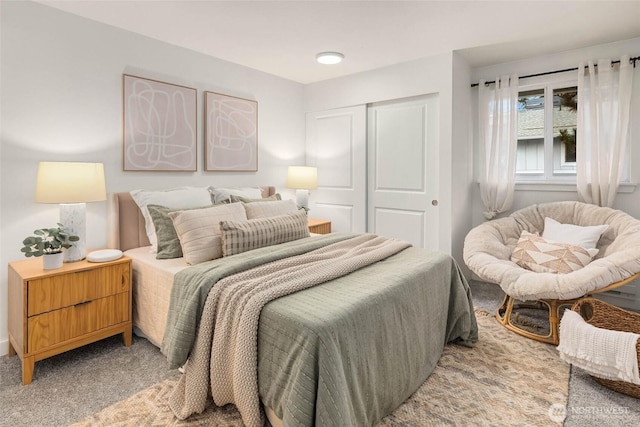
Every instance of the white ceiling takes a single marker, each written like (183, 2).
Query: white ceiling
(283, 37)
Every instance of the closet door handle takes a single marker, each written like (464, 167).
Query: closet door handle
(434, 202)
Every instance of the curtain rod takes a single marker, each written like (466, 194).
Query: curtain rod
(631, 60)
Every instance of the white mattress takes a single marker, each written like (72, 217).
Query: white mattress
(152, 282)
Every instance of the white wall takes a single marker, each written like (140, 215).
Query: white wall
(424, 76)
(461, 159)
(626, 201)
(61, 82)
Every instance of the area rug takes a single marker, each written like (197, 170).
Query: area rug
(505, 380)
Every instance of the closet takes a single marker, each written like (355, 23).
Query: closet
(378, 168)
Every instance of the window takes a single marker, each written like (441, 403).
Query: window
(547, 122)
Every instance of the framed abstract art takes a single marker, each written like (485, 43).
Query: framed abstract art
(160, 126)
(231, 133)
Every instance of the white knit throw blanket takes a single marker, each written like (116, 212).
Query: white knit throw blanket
(227, 339)
(601, 352)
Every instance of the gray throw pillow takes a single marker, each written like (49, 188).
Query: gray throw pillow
(235, 199)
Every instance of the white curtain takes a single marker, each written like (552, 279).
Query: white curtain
(604, 99)
(498, 125)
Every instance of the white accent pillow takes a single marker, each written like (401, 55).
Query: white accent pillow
(220, 194)
(176, 198)
(584, 236)
(199, 230)
(271, 208)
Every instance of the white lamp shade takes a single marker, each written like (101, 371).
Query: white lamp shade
(70, 182)
(302, 177)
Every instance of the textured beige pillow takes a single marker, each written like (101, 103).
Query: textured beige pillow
(543, 256)
(271, 208)
(242, 236)
(199, 230)
(176, 198)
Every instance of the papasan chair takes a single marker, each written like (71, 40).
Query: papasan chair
(490, 247)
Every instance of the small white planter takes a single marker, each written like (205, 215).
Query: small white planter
(52, 261)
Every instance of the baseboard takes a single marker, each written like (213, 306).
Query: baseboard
(4, 347)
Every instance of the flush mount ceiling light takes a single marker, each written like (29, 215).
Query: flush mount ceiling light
(329, 58)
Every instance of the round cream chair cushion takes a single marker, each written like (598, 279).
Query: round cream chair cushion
(488, 248)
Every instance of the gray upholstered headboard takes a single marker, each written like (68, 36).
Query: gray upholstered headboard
(128, 228)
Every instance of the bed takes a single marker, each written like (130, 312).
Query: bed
(346, 351)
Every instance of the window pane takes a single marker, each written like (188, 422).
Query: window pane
(565, 119)
(530, 154)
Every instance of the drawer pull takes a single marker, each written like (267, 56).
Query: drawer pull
(81, 303)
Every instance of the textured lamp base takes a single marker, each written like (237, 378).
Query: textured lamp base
(302, 199)
(73, 218)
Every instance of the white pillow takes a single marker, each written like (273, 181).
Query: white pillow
(584, 236)
(176, 198)
(199, 230)
(220, 194)
(270, 208)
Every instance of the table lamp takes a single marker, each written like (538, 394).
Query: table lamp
(303, 179)
(72, 185)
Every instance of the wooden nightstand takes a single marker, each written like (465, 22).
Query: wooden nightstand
(52, 311)
(319, 226)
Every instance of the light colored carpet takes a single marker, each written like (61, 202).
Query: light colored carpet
(505, 380)
(590, 404)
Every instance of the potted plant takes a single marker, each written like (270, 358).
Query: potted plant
(49, 243)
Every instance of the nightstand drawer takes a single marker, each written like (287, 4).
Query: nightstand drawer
(45, 329)
(65, 290)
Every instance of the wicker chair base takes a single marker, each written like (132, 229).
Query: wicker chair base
(606, 316)
(554, 307)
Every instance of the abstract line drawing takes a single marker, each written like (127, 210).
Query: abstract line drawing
(160, 123)
(231, 133)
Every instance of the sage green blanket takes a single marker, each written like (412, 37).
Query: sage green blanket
(350, 351)
(192, 285)
(346, 352)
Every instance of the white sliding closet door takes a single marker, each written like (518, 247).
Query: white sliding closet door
(403, 170)
(336, 145)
